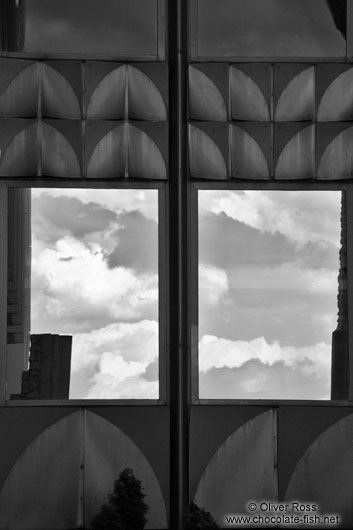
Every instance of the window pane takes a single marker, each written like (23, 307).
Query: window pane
(94, 277)
(121, 27)
(268, 285)
(274, 28)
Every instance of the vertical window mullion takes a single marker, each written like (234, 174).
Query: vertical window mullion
(178, 258)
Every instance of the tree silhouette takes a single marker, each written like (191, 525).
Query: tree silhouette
(126, 509)
(198, 519)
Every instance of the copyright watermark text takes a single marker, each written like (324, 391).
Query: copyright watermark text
(269, 514)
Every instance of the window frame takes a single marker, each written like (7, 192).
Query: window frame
(346, 187)
(163, 309)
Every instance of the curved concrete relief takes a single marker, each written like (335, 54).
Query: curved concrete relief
(126, 92)
(205, 100)
(20, 157)
(59, 158)
(337, 102)
(206, 158)
(337, 160)
(248, 159)
(296, 103)
(107, 452)
(108, 159)
(324, 475)
(63, 477)
(41, 491)
(145, 160)
(247, 99)
(242, 469)
(127, 150)
(20, 98)
(144, 99)
(296, 160)
(108, 98)
(58, 97)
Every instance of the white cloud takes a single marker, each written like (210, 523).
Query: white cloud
(217, 352)
(133, 342)
(108, 363)
(257, 369)
(145, 201)
(72, 280)
(302, 216)
(111, 311)
(285, 276)
(213, 283)
(257, 380)
(106, 386)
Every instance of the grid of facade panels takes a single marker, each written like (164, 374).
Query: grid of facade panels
(262, 121)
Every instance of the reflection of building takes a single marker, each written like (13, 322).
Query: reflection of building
(48, 376)
(38, 366)
(340, 351)
(19, 278)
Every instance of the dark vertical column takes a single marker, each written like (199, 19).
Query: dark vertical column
(349, 240)
(340, 350)
(178, 377)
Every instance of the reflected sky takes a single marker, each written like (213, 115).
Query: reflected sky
(268, 268)
(126, 27)
(296, 28)
(95, 276)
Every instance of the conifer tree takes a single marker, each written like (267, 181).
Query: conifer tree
(198, 519)
(126, 509)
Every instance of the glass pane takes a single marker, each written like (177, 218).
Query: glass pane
(94, 277)
(268, 285)
(274, 28)
(123, 27)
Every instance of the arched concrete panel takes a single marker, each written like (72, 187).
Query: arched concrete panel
(244, 468)
(324, 475)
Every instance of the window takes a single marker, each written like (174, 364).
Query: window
(124, 28)
(268, 285)
(85, 287)
(269, 28)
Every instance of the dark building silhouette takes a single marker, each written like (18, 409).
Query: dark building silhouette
(48, 376)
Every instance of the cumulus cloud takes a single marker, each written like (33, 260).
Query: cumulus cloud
(137, 243)
(73, 287)
(213, 284)
(287, 276)
(258, 369)
(218, 352)
(110, 362)
(56, 216)
(301, 216)
(291, 317)
(257, 380)
(276, 283)
(242, 244)
(152, 371)
(108, 386)
(144, 201)
(95, 276)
